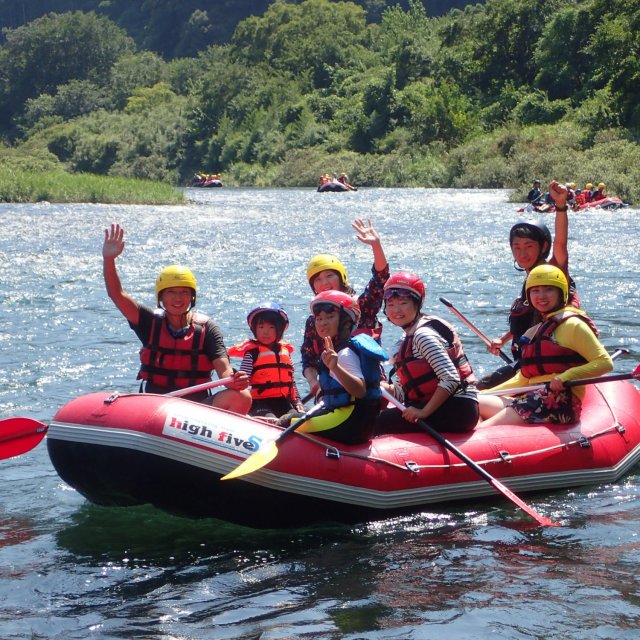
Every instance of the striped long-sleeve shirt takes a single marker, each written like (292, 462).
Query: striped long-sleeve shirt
(431, 346)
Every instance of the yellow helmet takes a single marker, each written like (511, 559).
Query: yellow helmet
(176, 275)
(573, 185)
(546, 275)
(588, 186)
(602, 185)
(323, 262)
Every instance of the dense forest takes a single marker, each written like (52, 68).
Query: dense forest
(180, 29)
(488, 95)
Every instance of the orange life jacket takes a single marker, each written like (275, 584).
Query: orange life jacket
(272, 375)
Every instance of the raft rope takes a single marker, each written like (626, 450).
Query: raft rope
(332, 451)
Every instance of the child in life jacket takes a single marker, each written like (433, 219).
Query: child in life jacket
(531, 243)
(266, 359)
(349, 372)
(435, 379)
(564, 346)
(326, 273)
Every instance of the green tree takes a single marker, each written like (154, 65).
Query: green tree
(313, 37)
(52, 51)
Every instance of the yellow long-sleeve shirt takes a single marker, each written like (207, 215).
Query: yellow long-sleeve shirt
(576, 335)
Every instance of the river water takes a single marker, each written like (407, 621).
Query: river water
(69, 569)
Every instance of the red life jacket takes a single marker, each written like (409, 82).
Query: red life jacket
(417, 377)
(542, 355)
(522, 316)
(175, 363)
(272, 375)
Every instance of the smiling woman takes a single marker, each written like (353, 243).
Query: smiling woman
(434, 375)
(562, 347)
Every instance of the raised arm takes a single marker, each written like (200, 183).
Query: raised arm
(113, 246)
(560, 253)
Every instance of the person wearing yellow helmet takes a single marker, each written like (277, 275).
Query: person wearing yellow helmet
(563, 346)
(325, 272)
(600, 193)
(531, 245)
(181, 347)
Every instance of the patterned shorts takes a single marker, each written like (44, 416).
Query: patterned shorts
(547, 406)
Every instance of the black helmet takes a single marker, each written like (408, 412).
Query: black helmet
(536, 181)
(532, 228)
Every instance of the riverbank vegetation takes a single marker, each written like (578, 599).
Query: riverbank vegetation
(492, 95)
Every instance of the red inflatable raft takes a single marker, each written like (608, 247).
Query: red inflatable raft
(133, 449)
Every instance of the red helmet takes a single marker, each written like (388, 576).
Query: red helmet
(405, 283)
(339, 299)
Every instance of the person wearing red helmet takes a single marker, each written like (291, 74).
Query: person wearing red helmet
(325, 272)
(531, 245)
(181, 347)
(434, 377)
(349, 372)
(266, 359)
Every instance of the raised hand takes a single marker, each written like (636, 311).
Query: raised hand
(365, 232)
(329, 355)
(558, 192)
(113, 241)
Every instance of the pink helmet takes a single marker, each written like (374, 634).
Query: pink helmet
(343, 301)
(405, 283)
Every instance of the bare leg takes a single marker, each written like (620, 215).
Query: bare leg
(490, 405)
(505, 416)
(232, 400)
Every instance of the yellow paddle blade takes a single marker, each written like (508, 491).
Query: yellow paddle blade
(255, 461)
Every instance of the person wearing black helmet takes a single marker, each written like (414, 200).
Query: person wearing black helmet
(266, 359)
(531, 244)
(534, 196)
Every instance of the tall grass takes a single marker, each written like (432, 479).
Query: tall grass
(58, 186)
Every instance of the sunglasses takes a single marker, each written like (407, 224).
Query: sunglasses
(324, 307)
(399, 293)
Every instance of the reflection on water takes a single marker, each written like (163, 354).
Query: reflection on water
(72, 570)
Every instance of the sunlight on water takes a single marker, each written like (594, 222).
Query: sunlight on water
(71, 570)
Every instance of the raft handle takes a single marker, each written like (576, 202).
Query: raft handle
(620, 428)
(112, 398)
(584, 443)
(332, 452)
(505, 456)
(412, 466)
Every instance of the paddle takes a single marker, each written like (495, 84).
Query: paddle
(19, 435)
(505, 491)
(267, 452)
(199, 387)
(477, 331)
(634, 375)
